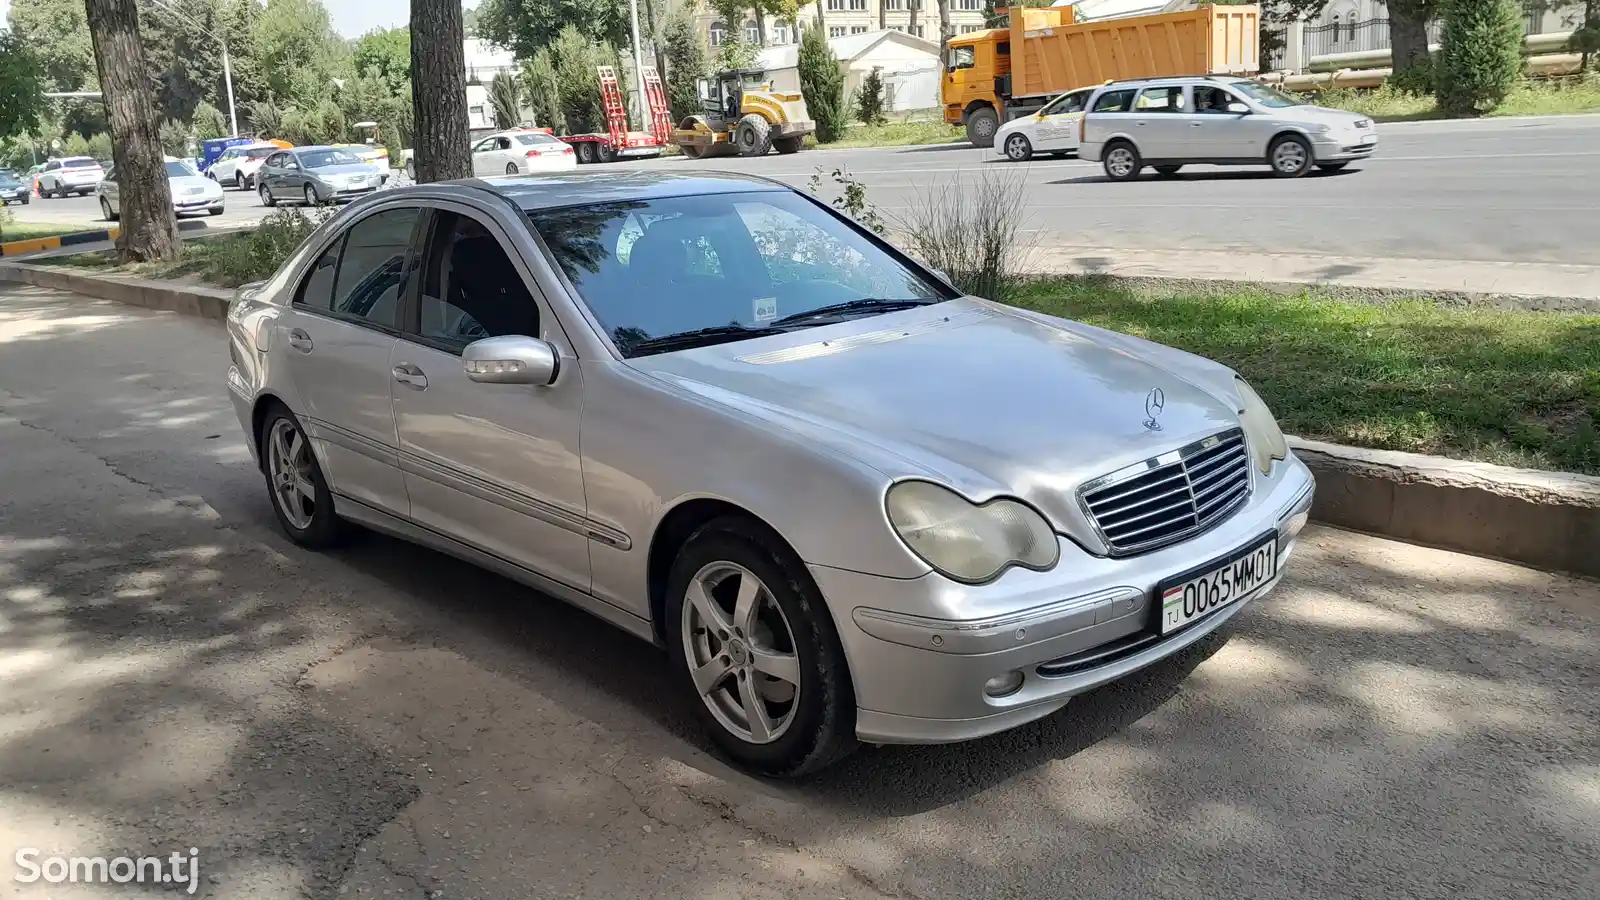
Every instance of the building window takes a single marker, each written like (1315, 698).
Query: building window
(969, 5)
(719, 33)
(858, 5)
(780, 34)
(921, 30)
(968, 29)
(836, 31)
(894, 4)
(858, 29)
(752, 33)
(835, 5)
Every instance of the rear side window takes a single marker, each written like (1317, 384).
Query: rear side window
(317, 290)
(1168, 99)
(372, 267)
(1114, 101)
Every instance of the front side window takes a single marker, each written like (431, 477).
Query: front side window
(470, 287)
(1113, 101)
(276, 160)
(1211, 99)
(371, 269)
(1066, 103)
(722, 267)
(962, 58)
(1266, 96)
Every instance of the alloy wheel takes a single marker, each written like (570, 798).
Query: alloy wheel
(311, 195)
(740, 650)
(1120, 162)
(1289, 156)
(290, 466)
(1017, 147)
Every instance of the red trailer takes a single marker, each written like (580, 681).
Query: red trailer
(618, 142)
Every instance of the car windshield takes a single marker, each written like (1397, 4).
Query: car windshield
(178, 169)
(659, 273)
(1264, 95)
(318, 159)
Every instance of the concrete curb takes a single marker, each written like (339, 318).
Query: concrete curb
(1549, 520)
(184, 299)
(93, 236)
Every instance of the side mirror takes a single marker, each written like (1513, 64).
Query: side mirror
(511, 359)
(1239, 108)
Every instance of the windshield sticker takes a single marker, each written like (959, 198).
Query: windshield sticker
(766, 309)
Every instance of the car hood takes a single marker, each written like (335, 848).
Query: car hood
(982, 397)
(341, 171)
(1321, 115)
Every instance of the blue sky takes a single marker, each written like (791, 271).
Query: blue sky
(351, 18)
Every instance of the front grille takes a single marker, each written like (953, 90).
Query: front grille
(1170, 497)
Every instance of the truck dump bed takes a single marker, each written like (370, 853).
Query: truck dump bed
(1050, 53)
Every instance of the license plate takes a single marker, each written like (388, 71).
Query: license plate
(1369, 139)
(1217, 584)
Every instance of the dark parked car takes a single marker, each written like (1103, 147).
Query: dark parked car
(13, 189)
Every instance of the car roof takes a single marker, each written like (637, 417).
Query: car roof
(581, 189)
(314, 147)
(1174, 79)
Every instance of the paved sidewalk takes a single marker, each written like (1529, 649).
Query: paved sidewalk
(1534, 280)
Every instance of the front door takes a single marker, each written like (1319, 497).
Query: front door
(496, 466)
(340, 333)
(486, 157)
(1058, 122)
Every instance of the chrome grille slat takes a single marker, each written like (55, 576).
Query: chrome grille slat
(1176, 474)
(1169, 497)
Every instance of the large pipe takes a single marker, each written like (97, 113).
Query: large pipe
(1553, 64)
(1532, 45)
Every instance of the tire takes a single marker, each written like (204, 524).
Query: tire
(1018, 148)
(25, 199)
(316, 527)
(1167, 171)
(266, 196)
(753, 136)
(411, 170)
(1332, 167)
(310, 196)
(814, 725)
(981, 126)
(105, 210)
(788, 145)
(1122, 161)
(1290, 156)
(605, 152)
(238, 181)
(511, 169)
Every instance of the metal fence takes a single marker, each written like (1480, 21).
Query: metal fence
(1373, 34)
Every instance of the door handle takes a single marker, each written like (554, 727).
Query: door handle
(1194, 124)
(411, 377)
(299, 340)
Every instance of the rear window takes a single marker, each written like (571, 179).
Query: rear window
(178, 169)
(80, 162)
(260, 152)
(1114, 101)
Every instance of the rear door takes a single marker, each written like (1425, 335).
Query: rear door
(338, 336)
(1164, 123)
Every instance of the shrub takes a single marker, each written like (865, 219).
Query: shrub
(1418, 79)
(869, 102)
(686, 63)
(247, 256)
(972, 233)
(544, 90)
(823, 85)
(1481, 60)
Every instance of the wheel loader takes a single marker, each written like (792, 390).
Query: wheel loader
(741, 113)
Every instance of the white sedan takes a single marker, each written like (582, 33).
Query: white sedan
(519, 151)
(191, 192)
(1053, 129)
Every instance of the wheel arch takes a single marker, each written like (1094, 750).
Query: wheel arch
(976, 105)
(264, 403)
(1288, 131)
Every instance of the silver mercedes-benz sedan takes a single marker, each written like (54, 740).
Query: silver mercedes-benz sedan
(851, 503)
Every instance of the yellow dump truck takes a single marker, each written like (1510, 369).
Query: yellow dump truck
(997, 75)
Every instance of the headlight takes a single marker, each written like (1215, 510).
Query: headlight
(967, 541)
(1261, 430)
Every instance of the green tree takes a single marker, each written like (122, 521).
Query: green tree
(505, 95)
(208, 121)
(544, 91)
(57, 34)
(298, 52)
(869, 102)
(21, 87)
(822, 83)
(385, 54)
(526, 26)
(1481, 57)
(576, 57)
(686, 63)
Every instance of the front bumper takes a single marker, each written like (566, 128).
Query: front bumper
(1343, 146)
(921, 680)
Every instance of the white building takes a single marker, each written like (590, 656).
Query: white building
(484, 62)
(844, 18)
(908, 65)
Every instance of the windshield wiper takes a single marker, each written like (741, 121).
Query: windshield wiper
(865, 306)
(700, 337)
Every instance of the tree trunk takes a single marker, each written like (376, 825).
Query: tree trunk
(911, 21)
(1408, 33)
(944, 29)
(822, 21)
(655, 38)
(883, 14)
(761, 27)
(149, 226)
(439, 91)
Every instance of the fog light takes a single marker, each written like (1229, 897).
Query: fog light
(1003, 685)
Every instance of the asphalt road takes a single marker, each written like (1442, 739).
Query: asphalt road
(384, 721)
(1522, 190)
